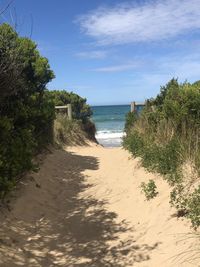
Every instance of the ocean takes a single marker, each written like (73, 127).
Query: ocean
(110, 121)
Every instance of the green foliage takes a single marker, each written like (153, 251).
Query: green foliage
(131, 118)
(164, 90)
(149, 189)
(166, 135)
(189, 203)
(168, 160)
(134, 143)
(164, 159)
(26, 113)
(177, 197)
(193, 206)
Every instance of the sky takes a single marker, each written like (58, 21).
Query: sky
(111, 51)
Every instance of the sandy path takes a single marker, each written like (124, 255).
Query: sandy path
(84, 208)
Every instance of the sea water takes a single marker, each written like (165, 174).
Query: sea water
(110, 122)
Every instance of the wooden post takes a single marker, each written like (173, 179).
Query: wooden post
(132, 106)
(69, 111)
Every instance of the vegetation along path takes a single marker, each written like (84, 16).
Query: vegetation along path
(85, 208)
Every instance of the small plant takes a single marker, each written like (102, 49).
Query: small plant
(194, 208)
(178, 199)
(149, 189)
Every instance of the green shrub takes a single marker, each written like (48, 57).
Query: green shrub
(164, 159)
(149, 189)
(134, 143)
(187, 203)
(193, 207)
(178, 199)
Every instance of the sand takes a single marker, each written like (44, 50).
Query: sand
(85, 208)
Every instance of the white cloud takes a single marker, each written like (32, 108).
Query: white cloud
(150, 21)
(98, 54)
(116, 68)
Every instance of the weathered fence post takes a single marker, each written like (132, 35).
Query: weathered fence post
(69, 111)
(137, 106)
(132, 106)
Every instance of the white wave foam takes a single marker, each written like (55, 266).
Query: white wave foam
(109, 138)
(109, 135)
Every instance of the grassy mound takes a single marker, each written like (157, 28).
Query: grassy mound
(166, 136)
(73, 132)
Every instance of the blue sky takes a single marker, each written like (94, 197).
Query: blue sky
(111, 51)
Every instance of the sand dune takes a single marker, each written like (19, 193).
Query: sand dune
(85, 208)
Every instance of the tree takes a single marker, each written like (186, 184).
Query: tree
(26, 113)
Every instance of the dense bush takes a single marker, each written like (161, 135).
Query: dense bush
(164, 159)
(26, 113)
(166, 135)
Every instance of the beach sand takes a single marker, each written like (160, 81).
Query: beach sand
(85, 208)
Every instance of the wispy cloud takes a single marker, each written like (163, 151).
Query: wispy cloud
(150, 21)
(162, 70)
(116, 68)
(97, 54)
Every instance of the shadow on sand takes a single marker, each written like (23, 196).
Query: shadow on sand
(66, 228)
